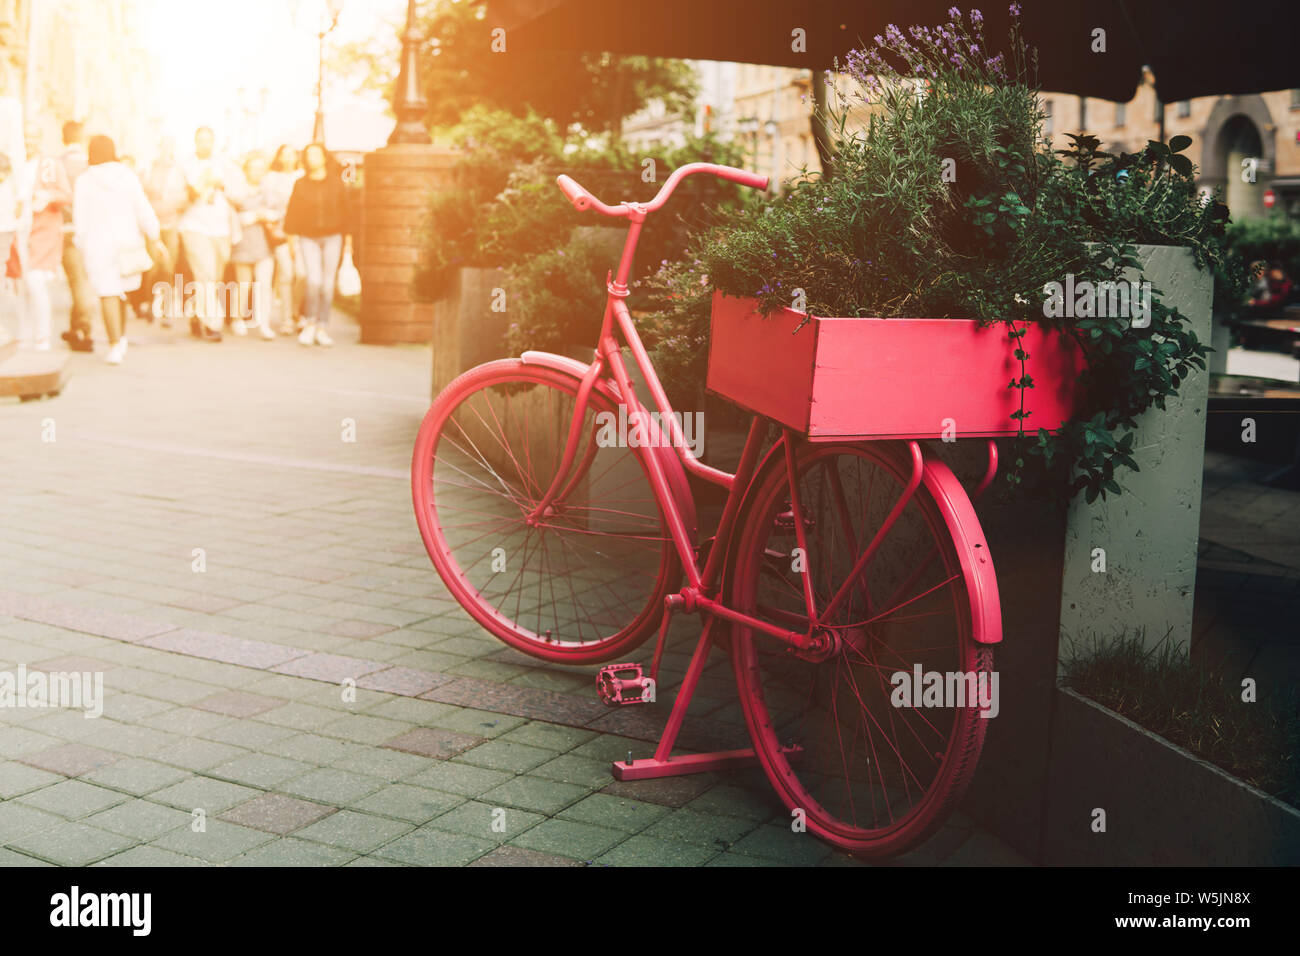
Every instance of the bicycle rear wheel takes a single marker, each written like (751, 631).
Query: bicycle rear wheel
(582, 585)
(872, 772)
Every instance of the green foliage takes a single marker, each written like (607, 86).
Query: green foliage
(1251, 241)
(462, 66)
(950, 204)
(505, 211)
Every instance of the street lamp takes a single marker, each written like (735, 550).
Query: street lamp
(408, 98)
(332, 10)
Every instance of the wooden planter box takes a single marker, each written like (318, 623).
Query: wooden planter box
(851, 378)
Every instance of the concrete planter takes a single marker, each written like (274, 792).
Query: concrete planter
(1164, 806)
(1149, 533)
(1043, 552)
(466, 332)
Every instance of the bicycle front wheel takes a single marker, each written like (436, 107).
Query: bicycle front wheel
(873, 767)
(586, 582)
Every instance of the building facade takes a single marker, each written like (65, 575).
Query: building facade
(77, 59)
(1248, 146)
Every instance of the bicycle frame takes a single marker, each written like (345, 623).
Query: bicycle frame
(702, 583)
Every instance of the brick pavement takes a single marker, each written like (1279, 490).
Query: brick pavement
(222, 685)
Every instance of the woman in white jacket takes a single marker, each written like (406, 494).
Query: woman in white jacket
(116, 230)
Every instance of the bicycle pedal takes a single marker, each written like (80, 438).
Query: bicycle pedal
(620, 685)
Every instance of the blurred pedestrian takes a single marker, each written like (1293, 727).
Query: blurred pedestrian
(209, 229)
(319, 213)
(168, 195)
(37, 249)
(115, 229)
(84, 304)
(252, 255)
(289, 280)
(9, 207)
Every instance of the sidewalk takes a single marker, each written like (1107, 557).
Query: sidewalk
(199, 530)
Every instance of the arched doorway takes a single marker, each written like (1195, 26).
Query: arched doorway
(1241, 147)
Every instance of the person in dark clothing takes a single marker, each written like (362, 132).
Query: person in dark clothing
(319, 214)
(1272, 292)
(85, 304)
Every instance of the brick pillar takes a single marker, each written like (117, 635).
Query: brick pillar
(398, 182)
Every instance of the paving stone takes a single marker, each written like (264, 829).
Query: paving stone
(364, 728)
(260, 770)
(13, 858)
(73, 799)
(71, 760)
(17, 778)
(534, 793)
(136, 776)
(617, 813)
(665, 791)
(276, 813)
(238, 704)
(427, 847)
(482, 723)
(72, 663)
(219, 842)
(313, 749)
(350, 830)
(581, 841)
(151, 856)
(299, 715)
(407, 681)
(388, 765)
(224, 647)
(782, 843)
(647, 851)
(198, 755)
(72, 844)
(486, 822)
(504, 755)
(141, 819)
(432, 742)
(203, 793)
(329, 667)
(290, 851)
(711, 830)
(519, 856)
(732, 801)
(331, 785)
(17, 820)
(359, 629)
(549, 736)
(416, 804)
(518, 701)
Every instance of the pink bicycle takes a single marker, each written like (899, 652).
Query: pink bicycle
(835, 567)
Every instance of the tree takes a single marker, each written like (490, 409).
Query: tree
(464, 63)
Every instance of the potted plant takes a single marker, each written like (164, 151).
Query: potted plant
(961, 277)
(948, 203)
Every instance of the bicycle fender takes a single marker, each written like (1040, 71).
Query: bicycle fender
(660, 445)
(972, 551)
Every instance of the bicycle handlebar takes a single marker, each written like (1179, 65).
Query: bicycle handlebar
(583, 200)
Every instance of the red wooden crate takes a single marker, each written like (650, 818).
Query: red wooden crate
(886, 378)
